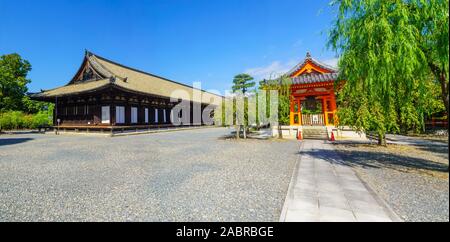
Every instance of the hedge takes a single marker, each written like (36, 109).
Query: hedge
(14, 120)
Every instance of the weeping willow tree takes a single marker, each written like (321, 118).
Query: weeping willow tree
(282, 85)
(392, 52)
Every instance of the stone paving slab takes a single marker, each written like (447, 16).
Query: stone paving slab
(324, 189)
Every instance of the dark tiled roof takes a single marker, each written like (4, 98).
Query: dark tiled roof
(315, 78)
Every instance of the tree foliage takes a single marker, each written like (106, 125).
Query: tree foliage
(392, 55)
(14, 120)
(13, 81)
(281, 84)
(17, 110)
(242, 82)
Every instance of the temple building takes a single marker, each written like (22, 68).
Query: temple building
(313, 100)
(107, 95)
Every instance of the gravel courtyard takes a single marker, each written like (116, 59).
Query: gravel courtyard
(176, 176)
(413, 179)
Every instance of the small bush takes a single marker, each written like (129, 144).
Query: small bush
(13, 120)
(5, 121)
(41, 119)
(27, 122)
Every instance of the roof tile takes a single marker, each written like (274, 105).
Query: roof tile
(315, 78)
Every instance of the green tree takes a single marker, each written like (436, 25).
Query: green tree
(281, 84)
(18, 111)
(13, 81)
(241, 84)
(388, 49)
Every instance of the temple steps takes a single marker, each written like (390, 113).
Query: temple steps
(315, 132)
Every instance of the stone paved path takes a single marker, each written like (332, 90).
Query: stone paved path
(324, 189)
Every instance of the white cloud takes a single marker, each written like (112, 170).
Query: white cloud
(332, 62)
(273, 70)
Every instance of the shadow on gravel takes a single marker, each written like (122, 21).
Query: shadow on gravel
(249, 137)
(438, 150)
(13, 141)
(365, 159)
(437, 147)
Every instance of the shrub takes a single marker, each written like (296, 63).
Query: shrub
(12, 120)
(18, 120)
(5, 121)
(41, 119)
(27, 122)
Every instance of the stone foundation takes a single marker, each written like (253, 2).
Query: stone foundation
(343, 133)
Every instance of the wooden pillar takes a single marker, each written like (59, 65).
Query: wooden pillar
(299, 111)
(324, 110)
(112, 115)
(295, 102)
(291, 115)
(333, 102)
(333, 107)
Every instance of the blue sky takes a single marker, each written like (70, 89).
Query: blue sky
(184, 40)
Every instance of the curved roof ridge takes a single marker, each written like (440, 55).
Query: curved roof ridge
(90, 59)
(322, 64)
(144, 72)
(313, 60)
(73, 88)
(120, 76)
(99, 67)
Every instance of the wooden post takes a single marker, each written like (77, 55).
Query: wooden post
(333, 107)
(324, 110)
(299, 112)
(291, 115)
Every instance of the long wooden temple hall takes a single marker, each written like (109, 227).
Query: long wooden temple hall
(104, 95)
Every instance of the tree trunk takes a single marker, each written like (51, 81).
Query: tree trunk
(440, 75)
(280, 132)
(238, 131)
(382, 139)
(444, 88)
(245, 132)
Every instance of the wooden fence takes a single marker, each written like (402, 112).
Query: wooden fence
(313, 119)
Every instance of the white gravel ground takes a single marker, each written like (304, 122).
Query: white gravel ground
(178, 176)
(412, 179)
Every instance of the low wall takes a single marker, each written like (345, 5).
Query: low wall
(287, 132)
(347, 133)
(341, 133)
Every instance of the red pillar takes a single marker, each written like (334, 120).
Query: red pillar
(291, 114)
(299, 111)
(324, 110)
(333, 107)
